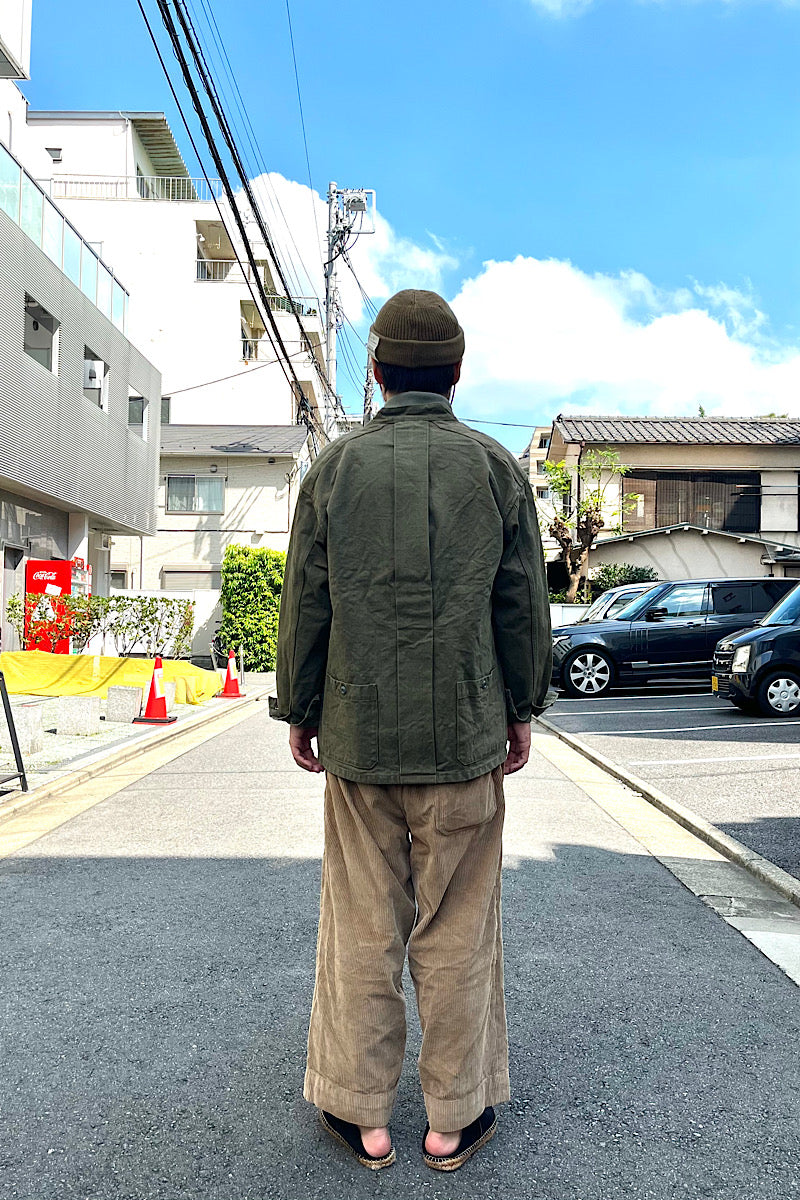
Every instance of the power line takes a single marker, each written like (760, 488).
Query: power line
(285, 363)
(270, 362)
(302, 120)
(207, 81)
(249, 134)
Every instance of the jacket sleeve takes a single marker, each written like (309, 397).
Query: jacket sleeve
(305, 619)
(521, 612)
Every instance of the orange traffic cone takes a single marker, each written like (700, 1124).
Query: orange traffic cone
(231, 690)
(155, 712)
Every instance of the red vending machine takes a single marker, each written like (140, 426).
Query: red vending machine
(50, 579)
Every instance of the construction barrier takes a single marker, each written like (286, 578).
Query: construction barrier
(36, 673)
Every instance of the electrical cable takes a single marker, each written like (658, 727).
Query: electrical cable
(302, 403)
(201, 67)
(291, 375)
(238, 103)
(302, 120)
(270, 362)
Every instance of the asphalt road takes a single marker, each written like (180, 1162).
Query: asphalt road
(157, 969)
(740, 772)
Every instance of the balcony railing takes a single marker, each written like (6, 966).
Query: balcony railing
(133, 187)
(25, 202)
(228, 270)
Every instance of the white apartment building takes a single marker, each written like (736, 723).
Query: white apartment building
(79, 404)
(121, 175)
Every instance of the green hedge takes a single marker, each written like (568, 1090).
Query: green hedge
(252, 581)
(616, 574)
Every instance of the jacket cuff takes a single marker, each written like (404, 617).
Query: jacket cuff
(310, 717)
(525, 712)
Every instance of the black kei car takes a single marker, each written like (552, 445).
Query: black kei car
(760, 668)
(668, 633)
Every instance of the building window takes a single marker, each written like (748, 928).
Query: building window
(95, 379)
(544, 441)
(166, 403)
(188, 580)
(195, 493)
(724, 500)
(55, 153)
(137, 413)
(41, 335)
(542, 493)
(119, 580)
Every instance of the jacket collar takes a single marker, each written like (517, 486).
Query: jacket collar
(420, 404)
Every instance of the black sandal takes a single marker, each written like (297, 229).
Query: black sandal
(473, 1138)
(349, 1136)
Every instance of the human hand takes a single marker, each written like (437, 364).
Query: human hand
(300, 745)
(519, 747)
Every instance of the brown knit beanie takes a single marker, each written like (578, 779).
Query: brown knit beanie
(416, 329)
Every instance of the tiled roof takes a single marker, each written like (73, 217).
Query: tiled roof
(684, 430)
(233, 439)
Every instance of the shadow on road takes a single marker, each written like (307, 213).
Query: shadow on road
(155, 1021)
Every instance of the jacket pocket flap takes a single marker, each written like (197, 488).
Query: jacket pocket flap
(475, 687)
(354, 692)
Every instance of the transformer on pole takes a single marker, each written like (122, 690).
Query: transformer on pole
(351, 212)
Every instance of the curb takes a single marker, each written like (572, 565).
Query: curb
(729, 847)
(116, 758)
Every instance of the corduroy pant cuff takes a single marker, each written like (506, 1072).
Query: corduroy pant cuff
(446, 1116)
(372, 1109)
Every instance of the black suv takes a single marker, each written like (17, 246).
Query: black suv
(669, 632)
(760, 668)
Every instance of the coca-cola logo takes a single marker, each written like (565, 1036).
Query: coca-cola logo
(46, 575)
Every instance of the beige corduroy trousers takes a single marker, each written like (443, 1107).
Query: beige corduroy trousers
(417, 867)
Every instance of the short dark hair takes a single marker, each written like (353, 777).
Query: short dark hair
(418, 379)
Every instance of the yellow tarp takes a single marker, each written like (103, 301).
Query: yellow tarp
(35, 673)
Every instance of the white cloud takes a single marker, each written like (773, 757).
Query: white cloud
(384, 261)
(544, 337)
(573, 8)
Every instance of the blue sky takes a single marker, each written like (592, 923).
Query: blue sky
(631, 168)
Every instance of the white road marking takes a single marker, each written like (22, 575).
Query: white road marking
(682, 729)
(668, 696)
(607, 712)
(726, 758)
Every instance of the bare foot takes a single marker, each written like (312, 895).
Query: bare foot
(376, 1142)
(442, 1145)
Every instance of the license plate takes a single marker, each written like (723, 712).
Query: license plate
(714, 683)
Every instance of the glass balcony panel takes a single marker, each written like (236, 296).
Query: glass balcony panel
(31, 210)
(9, 184)
(118, 306)
(72, 255)
(89, 274)
(53, 235)
(103, 290)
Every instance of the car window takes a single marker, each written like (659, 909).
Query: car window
(767, 592)
(683, 601)
(619, 603)
(729, 599)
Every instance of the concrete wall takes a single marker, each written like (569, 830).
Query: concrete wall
(687, 555)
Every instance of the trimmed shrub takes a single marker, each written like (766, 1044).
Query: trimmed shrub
(252, 582)
(616, 574)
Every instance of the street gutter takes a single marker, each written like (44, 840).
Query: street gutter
(104, 759)
(758, 866)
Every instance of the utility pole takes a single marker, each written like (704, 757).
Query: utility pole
(351, 212)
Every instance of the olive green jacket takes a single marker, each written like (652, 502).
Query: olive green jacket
(414, 619)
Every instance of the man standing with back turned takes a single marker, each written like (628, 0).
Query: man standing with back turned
(415, 644)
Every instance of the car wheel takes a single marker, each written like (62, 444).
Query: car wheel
(779, 694)
(588, 674)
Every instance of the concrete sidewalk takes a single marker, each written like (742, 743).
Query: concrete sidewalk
(158, 966)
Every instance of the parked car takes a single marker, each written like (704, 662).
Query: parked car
(612, 601)
(760, 667)
(669, 632)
